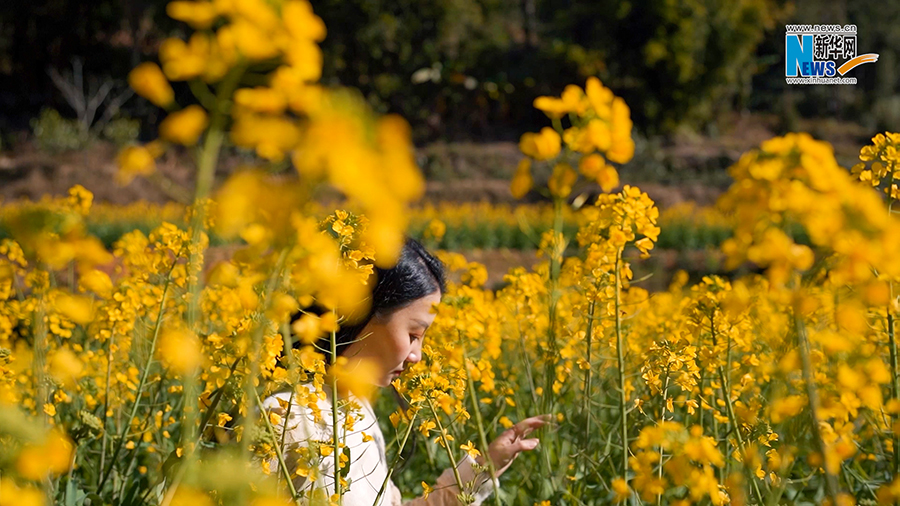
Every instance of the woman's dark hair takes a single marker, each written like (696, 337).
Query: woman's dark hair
(417, 274)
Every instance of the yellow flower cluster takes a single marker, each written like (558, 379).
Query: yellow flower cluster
(145, 356)
(716, 380)
(54, 231)
(879, 162)
(793, 184)
(99, 336)
(134, 373)
(330, 135)
(600, 126)
(692, 464)
(723, 391)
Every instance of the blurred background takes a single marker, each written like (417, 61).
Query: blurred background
(703, 78)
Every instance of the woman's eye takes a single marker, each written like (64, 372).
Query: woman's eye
(413, 338)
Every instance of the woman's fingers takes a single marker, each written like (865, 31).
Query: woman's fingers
(503, 450)
(524, 445)
(527, 425)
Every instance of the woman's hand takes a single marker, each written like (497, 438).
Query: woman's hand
(503, 450)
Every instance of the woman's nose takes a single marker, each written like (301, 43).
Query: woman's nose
(415, 354)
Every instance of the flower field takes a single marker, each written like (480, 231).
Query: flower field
(450, 226)
(132, 370)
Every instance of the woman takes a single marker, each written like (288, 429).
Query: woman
(391, 336)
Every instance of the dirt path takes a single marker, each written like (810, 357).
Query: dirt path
(684, 167)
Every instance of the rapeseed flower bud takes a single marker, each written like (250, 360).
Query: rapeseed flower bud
(199, 14)
(541, 146)
(148, 81)
(134, 161)
(184, 126)
(521, 181)
(180, 349)
(562, 179)
(53, 456)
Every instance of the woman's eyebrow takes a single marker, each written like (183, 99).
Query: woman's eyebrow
(421, 323)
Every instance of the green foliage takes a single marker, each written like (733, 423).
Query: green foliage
(688, 235)
(678, 234)
(677, 62)
(55, 134)
(122, 131)
(467, 69)
(439, 63)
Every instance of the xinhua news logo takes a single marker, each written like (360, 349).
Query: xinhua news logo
(821, 54)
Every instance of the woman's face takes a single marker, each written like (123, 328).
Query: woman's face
(395, 340)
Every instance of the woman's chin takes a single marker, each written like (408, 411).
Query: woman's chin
(389, 379)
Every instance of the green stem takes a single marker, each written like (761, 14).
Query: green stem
(281, 462)
(71, 472)
(727, 389)
(620, 358)
(215, 402)
(446, 445)
(206, 175)
(552, 352)
(105, 436)
(895, 384)
(250, 382)
(895, 387)
(40, 344)
(482, 435)
(812, 394)
(585, 408)
(144, 374)
(523, 354)
(662, 418)
(334, 418)
(396, 460)
(702, 382)
(206, 171)
(732, 419)
(287, 417)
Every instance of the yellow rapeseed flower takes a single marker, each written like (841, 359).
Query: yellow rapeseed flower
(522, 181)
(180, 349)
(77, 308)
(435, 230)
(469, 447)
(300, 21)
(134, 161)
(199, 14)
(562, 179)
(594, 167)
(188, 496)
(148, 81)
(271, 136)
(184, 126)
(359, 376)
(51, 457)
(97, 282)
(80, 199)
(261, 99)
(13, 495)
(185, 60)
(543, 145)
(621, 489)
(66, 367)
